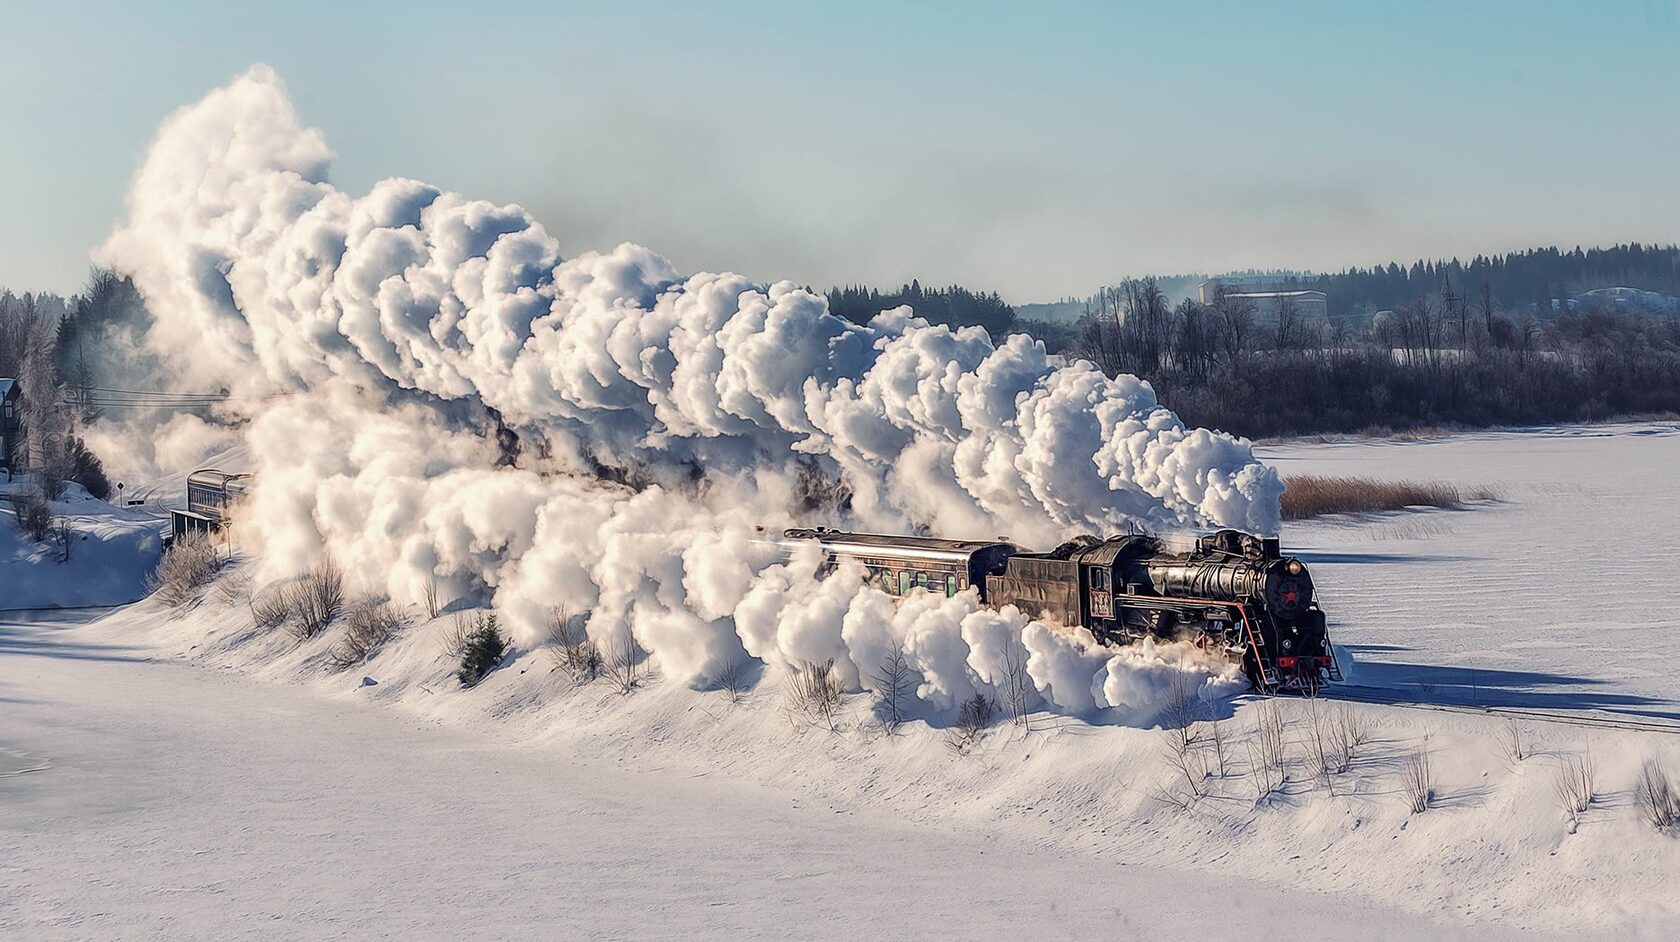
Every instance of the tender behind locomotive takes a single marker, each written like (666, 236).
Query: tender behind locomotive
(1230, 592)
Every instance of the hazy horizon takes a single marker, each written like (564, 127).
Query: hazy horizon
(1038, 153)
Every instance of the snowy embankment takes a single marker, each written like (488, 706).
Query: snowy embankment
(111, 549)
(184, 802)
(1494, 846)
(1493, 849)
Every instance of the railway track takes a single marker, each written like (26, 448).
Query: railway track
(1595, 719)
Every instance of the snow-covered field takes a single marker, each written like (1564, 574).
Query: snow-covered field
(1560, 595)
(203, 778)
(111, 551)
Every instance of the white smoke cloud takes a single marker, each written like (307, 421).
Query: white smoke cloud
(659, 417)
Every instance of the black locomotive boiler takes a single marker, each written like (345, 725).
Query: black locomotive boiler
(1229, 592)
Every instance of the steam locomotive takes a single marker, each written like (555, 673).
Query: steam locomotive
(1230, 592)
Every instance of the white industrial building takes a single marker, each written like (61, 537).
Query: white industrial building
(1267, 294)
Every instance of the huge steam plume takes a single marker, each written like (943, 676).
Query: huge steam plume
(379, 342)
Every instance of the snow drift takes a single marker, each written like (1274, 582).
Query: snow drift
(434, 395)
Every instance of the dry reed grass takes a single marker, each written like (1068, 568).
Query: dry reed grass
(1310, 495)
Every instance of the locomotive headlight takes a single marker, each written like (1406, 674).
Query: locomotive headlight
(1294, 567)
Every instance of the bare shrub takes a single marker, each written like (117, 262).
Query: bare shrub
(429, 596)
(1576, 785)
(621, 661)
(814, 691)
(1268, 765)
(1351, 731)
(1417, 781)
(271, 610)
(1657, 796)
(1335, 738)
(316, 599)
(1514, 741)
(190, 563)
(1219, 744)
(892, 687)
(367, 627)
(732, 680)
(234, 587)
(974, 716)
(1310, 495)
(1184, 753)
(453, 636)
(65, 534)
(35, 516)
(570, 646)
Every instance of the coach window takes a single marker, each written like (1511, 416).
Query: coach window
(950, 585)
(921, 579)
(904, 582)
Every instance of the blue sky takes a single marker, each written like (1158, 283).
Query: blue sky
(1035, 149)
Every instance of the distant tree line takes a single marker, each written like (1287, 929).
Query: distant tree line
(1529, 280)
(953, 306)
(1438, 359)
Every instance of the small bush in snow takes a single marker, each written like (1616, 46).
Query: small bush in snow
(1268, 760)
(484, 650)
(35, 517)
(453, 636)
(973, 718)
(1576, 785)
(430, 596)
(1417, 782)
(316, 599)
(234, 587)
(1515, 742)
(815, 692)
(189, 564)
(368, 626)
(271, 610)
(1658, 796)
(572, 649)
(621, 662)
(732, 680)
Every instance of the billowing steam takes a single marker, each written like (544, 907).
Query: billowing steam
(435, 395)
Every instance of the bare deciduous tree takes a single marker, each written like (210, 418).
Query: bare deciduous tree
(1017, 686)
(892, 686)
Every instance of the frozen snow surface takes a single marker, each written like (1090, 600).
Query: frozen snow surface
(111, 549)
(205, 778)
(1562, 594)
